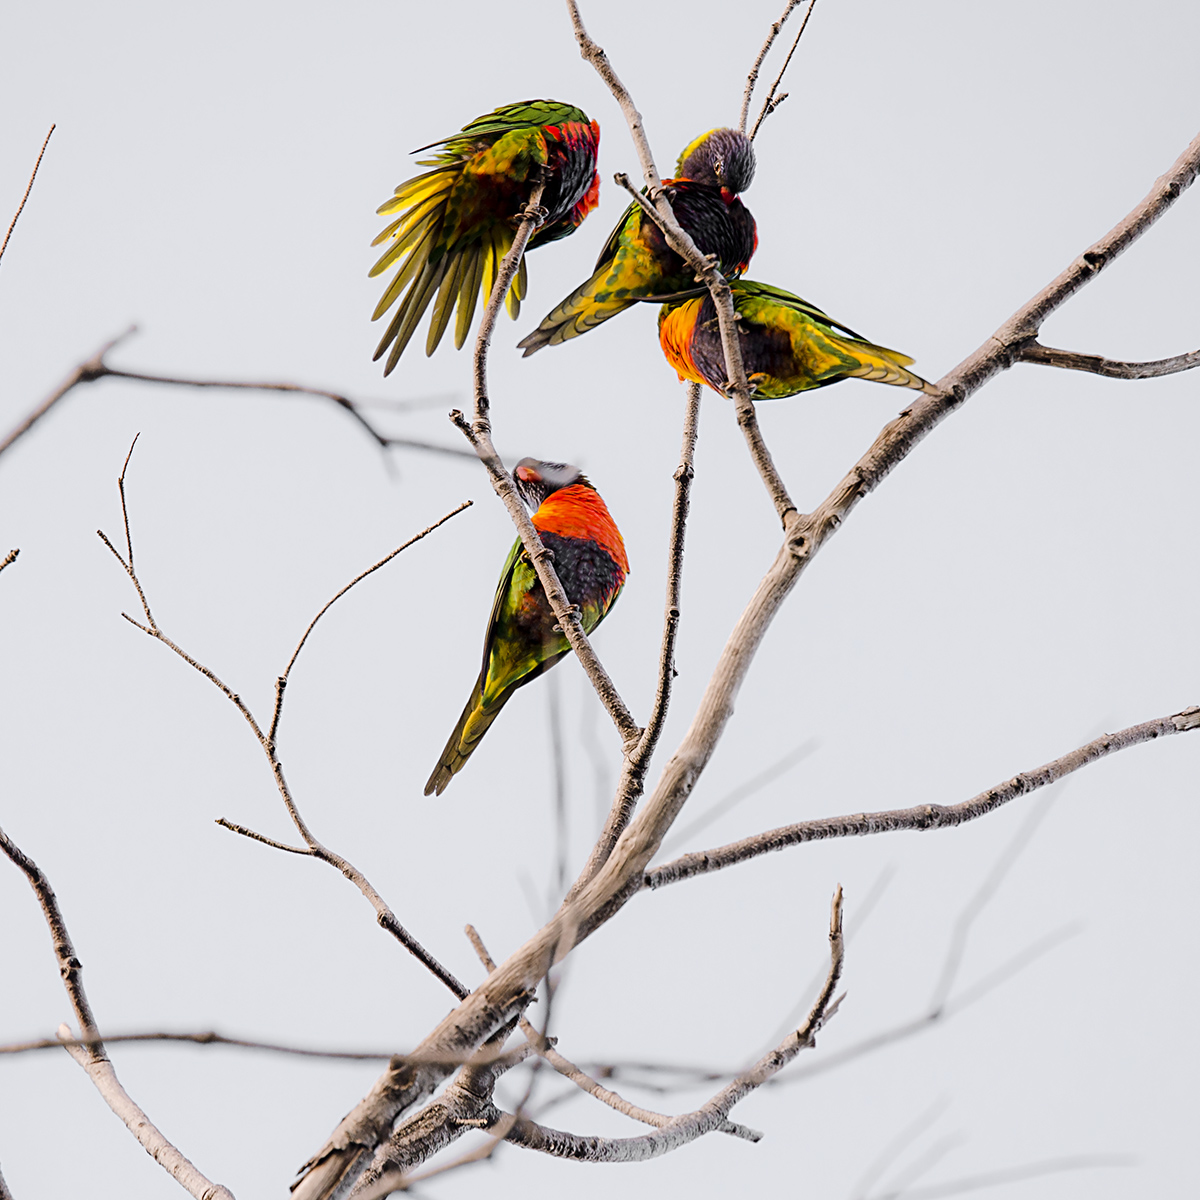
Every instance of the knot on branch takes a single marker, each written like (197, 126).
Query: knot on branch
(932, 815)
(532, 212)
(1094, 260)
(1188, 719)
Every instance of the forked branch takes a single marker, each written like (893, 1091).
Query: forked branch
(96, 368)
(706, 272)
(89, 1052)
(313, 848)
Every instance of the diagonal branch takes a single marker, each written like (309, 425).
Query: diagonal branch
(706, 1119)
(21, 207)
(383, 914)
(9, 559)
(282, 682)
(704, 267)
(920, 816)
(479, 434)
(545, 1047)
(752, 78)
(96, 368)
(772, 102)
(1034, 352)
(633, 769)
(89, 1051)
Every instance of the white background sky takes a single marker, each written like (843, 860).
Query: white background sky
(1026, 579)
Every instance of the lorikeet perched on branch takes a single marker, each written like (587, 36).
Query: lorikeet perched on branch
(636, 262)
(788, 346)
(522, 640)
(457, 222)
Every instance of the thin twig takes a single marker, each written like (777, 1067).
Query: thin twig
(96, 368)
(752, 78)
(633, 769)
(233, 827)
(28, 188)
(9, 559)
(772, 102)
(206, 1037)
(1046, 356)
(282, 682)
(89, 1051)
(920, 816)
(383, 913)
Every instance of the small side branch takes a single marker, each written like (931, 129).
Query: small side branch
(921, 816)
(9, 559)
(21, 207)
(1046, 356)
(96, 368)
(89, 1052)
(633, 771)
(282, 682)
(545, 1047)
(752, 78)
(773, 101)
(687, 1128)
(383, 914)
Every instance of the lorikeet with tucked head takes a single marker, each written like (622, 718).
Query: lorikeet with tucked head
(636, 262)
(456, 222)
(522, 639)
(788, 346)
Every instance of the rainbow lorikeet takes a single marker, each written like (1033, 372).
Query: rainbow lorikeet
(457, 222)
(522, 636)
(636, 262)
(788, 346)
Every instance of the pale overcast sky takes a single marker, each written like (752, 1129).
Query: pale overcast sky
(1025, 580)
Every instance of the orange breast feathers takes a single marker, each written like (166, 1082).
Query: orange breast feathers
(675, 336)
(578, 512)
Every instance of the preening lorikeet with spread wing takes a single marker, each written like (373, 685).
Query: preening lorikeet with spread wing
(636, 262)
(456, 222)
(788, 346)
(521, 641)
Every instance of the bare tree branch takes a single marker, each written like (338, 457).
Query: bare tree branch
(920, 816)
(545, 1047)
(633, 769)
(1034, 352)
(752, 78)
(9, 559)
(204, 1038)
(89, 1051)
(706, 1119)
(621, 876)
(479, 433)
(5, 1194)
(703, 265)
(772, 102)
(96, 368)
(21, 208)
(282, 682)
(384, 915)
